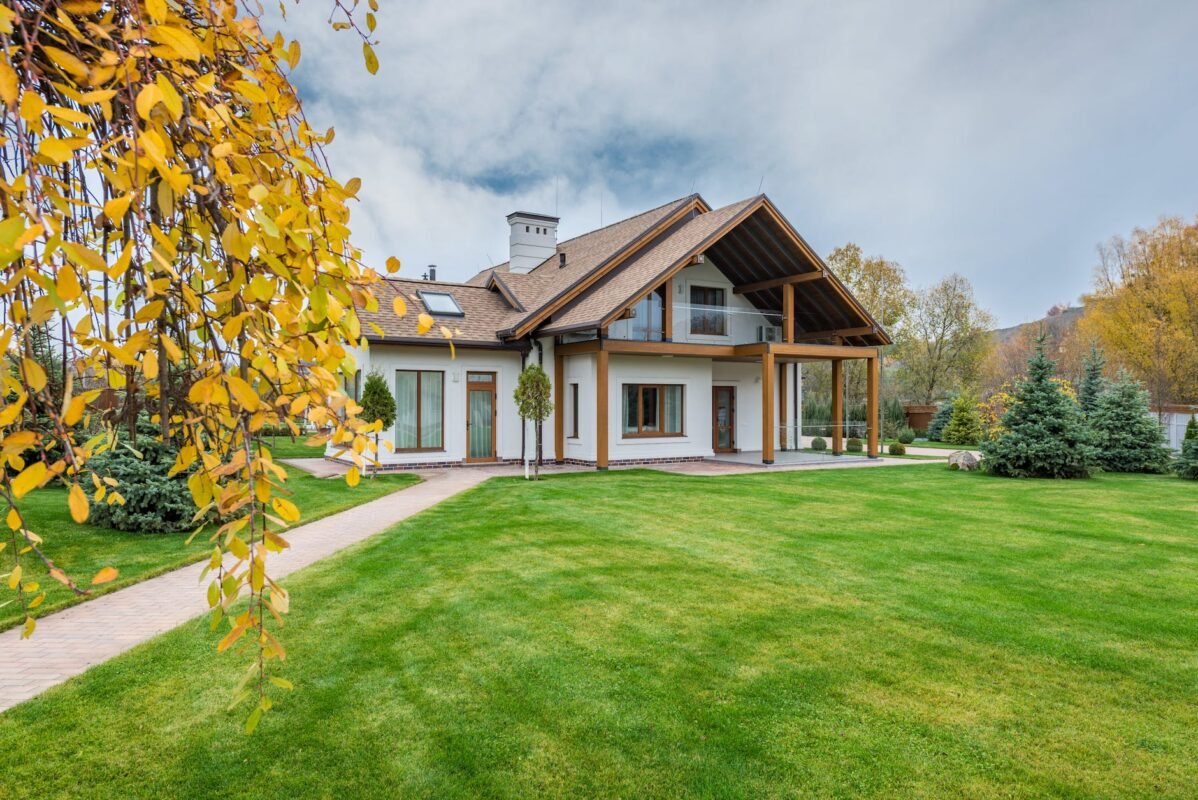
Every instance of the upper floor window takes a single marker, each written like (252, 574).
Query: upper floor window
(707, 311)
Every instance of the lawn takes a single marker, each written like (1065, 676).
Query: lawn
(936, 445)
(887, 632)
(83, 549)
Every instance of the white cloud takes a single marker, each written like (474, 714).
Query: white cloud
(1000, 140)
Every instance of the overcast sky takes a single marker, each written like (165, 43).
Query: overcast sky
(1001, 140)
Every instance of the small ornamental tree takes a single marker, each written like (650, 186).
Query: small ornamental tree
(1093, 383)
(944, 412)
(1125, 431)
(1045, 436)
(534, 402)
(964, 424)
(1191, 429)
(1186, 464)
(378, 408)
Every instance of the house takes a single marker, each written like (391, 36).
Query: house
(674, 335)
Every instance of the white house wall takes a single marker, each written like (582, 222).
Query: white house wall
(387, 359)
(692, 373)
(743, 317)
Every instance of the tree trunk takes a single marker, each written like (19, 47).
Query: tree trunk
(536, 470)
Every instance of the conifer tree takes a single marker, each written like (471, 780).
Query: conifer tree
(965, 424)
(1125, 431)
(944, 412)
(378, 405)
(1191, 428)
(1186, 464)
(1092, 383)
(1046, 436)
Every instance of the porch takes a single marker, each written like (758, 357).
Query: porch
(780, 436)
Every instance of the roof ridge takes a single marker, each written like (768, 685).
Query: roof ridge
(675, 202)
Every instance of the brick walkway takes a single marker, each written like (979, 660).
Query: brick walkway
(70, 641)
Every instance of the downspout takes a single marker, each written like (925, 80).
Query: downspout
(523, 427)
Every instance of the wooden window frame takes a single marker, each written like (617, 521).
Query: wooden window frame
(573, 411)
(640, 433)
(419, 380)
(723, 317)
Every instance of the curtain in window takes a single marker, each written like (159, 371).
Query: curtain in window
(673, 412)
(650, 409)
(405, 410)
(431, 398)
(631, 392)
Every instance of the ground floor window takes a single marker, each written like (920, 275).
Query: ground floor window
(652, 409)
(572, 410)
(420, 409)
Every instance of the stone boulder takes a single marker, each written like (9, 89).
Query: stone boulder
(963, 460)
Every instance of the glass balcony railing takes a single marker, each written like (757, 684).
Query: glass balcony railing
(697, 323)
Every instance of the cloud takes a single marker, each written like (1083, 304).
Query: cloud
(999, 140)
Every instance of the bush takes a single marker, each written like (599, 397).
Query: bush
(154, 503)
(943, 412)
(965, 424)
(1126, 433)
(854, 445)
(818, 444)
(1045, 436)
(1186, 465)
(906, 436)
(898, 449)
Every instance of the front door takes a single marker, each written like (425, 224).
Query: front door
(723, 418)
(480, 416)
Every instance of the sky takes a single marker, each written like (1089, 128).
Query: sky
(1000, 140)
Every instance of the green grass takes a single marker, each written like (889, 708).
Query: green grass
(936, 445)
(82, 550)
(887, 632)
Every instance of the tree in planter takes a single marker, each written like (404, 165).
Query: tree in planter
(1093, 383)
(1126, 433)
(1046, 436)
(378, 406)
(965, 424)
(944, 412)
(534, 402)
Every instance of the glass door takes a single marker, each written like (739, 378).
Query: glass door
(480, 416)
(723, 418)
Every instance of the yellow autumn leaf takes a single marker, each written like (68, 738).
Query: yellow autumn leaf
(35, 376)
(29, 479)
(399, 306)
(243, 392)
(156, 9)
(75, 410)
(105, 575)
(77, 501)
(28, 628)
(285, 509)
(14, 519)
(222, 150)
(353, 185)
(149, 96)
(14, 577)
(115, 208)
(68, 286)
(353, 476)
(59, 151)
(9, 85)
(424, 323)
(67, 62)
(372, 61)
(262, 287)
(149, 365)
(392, 264)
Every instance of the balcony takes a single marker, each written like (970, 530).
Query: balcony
(696, 323)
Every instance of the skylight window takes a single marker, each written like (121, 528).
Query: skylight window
(441, 303)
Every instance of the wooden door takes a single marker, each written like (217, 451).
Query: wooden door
(481, 416)
(723, 419)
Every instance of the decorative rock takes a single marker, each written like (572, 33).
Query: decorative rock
(963, 460)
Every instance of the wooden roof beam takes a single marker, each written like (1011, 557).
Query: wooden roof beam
(774, 283)
(863, 330)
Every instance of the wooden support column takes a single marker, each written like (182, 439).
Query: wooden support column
(767, 407)
(667, 312)
(783, 407)
(559, 407)
(872, 382)
(788, 313)
(601, 414)
(837, 406)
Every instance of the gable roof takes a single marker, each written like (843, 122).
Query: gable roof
(608, 270)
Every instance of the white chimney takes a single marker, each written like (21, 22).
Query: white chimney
(533, 239)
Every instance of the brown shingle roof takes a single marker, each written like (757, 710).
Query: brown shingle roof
(643, 271)
(485, 312)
